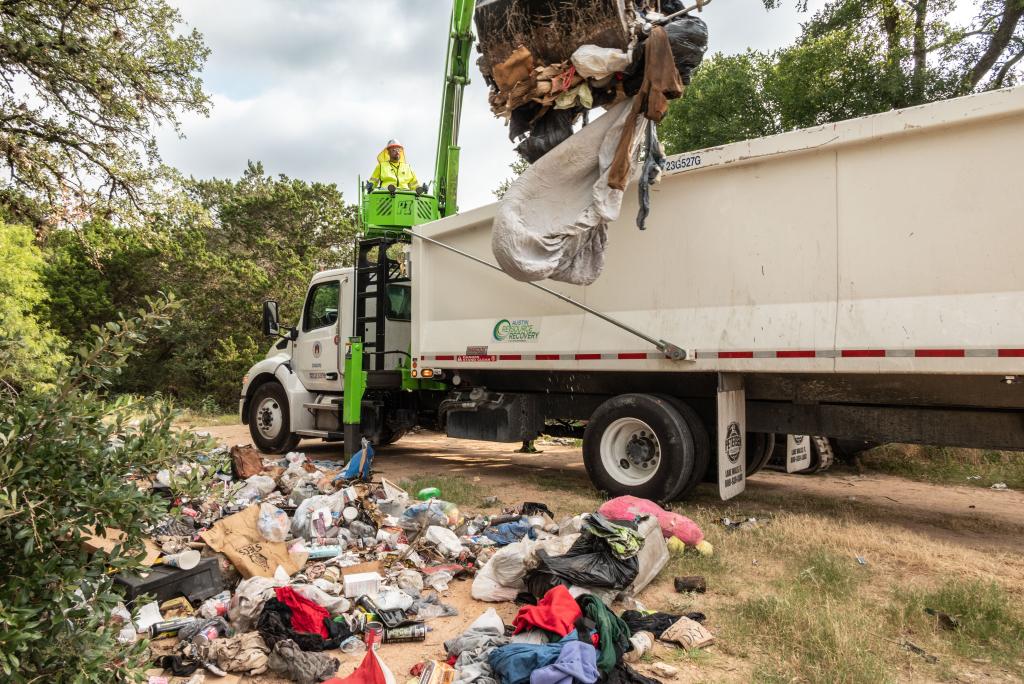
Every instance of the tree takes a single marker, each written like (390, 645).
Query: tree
(222, 246)
(725, 102)
(854, 57)
(30, 348)
(518, 166)
(82, 86)
(66, 453)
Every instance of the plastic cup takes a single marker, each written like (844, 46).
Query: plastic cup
(186, 560)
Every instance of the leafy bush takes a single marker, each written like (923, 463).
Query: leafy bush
(67, 452)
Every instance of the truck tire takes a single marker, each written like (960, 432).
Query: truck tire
(389, 437)
(270, 420)
(701, 443)
(760, 446)
(639, 444)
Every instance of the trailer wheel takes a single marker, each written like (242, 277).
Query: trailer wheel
(701, 443)
(270, 420)
(760, 446)
(638, 444)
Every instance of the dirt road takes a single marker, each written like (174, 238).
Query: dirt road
(890, 538)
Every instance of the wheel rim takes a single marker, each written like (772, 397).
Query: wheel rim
(269, 418)
(630, 451)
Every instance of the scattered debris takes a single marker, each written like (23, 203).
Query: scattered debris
(944, 620)
(665, 670)
(861, 560)
(693, 583)
(914, 648)
(1000, 487)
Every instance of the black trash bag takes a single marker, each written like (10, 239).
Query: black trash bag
(688, 37)
(656, 623)
(624, 674)
(588, 563)
(547, 132)
(671, 6)
(521, 118)
(275, 624)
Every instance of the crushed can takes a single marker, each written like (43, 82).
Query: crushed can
(397, 635)
(372, 634)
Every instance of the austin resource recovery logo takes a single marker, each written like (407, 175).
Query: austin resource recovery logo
(521, 330)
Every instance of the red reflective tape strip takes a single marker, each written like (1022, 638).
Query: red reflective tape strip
(588, 357)
(510, 357)
(629, 356)
(736, 355)
(446, 357)
(933, 353)
(862, 353)
(795, 354)
(1011, 352)
(548, 357)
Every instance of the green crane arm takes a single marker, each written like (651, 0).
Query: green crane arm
(456, 77)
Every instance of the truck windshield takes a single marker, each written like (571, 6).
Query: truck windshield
(399, 302)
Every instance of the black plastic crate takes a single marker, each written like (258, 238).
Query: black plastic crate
(164, 582)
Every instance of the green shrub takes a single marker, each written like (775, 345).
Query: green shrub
(66, 453)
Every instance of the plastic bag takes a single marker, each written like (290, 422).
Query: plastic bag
(447, 542)
(291, 477)
(597, 62)
(487, 588)
(439, 580)
(264, 483)
(510, 564)
(273, 523)
(411, 582)
(672, 524)
(589, 563)
(430, 606)
(436, 512)
(688, 37)
(301, 520)
(546, 134)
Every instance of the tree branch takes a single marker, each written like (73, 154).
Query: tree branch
(1011, 15)
(1005, 69)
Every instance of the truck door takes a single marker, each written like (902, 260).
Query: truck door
(316, 349)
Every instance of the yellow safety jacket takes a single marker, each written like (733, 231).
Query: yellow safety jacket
(399, 173)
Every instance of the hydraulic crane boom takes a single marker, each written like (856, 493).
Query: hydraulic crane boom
(456, 77)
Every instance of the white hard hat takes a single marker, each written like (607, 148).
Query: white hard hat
(394, 143)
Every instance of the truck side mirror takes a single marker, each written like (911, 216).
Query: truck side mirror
(271, 327)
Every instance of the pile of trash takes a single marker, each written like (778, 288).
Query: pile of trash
(545, 74)
(552, 222)
(288, 566)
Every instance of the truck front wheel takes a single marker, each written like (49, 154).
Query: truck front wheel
(639, 444)
(270, 420)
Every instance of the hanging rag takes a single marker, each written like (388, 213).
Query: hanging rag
(654, 165)
(661, 83)
(556, 612)
(624, 542)
(576, 664)
(613, 633)
(514, 663)
(305, 668)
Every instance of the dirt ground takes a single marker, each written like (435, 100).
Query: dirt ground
(910, 533)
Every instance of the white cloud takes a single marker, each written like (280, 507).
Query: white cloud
(314, 89)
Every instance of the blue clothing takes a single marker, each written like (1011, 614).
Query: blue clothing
(514, 663)
(576, 664)
(508, 533)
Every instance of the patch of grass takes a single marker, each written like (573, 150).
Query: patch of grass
(201, 419)
(947, 465)
(811, 626)
(991, 622)
(454, 488)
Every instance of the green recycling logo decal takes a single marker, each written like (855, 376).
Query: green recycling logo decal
(520, 330)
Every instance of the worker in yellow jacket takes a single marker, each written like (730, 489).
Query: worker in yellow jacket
(392, 169)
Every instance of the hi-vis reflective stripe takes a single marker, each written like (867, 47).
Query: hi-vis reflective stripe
(794, 354)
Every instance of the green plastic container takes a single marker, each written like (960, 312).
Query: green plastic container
(428, 493)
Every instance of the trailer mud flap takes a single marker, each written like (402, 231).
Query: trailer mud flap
(732, 434)
(798, 453)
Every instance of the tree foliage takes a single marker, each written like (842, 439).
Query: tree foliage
(30, 348)
(82, 85)
(854, 57)
(222, 246)
(65, 451)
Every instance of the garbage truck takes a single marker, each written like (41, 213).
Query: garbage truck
(856, 280)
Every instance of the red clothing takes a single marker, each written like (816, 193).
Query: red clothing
(557, 612)
(307, 616)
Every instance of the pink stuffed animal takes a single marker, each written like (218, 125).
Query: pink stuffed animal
(672, 524)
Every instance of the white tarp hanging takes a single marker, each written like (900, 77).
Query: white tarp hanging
(552, 222)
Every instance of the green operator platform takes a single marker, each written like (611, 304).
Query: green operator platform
(386, 216)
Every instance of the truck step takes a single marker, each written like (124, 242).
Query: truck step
(323, 434)
(326, 406)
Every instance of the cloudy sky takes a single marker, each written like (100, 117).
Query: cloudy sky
(315, 88)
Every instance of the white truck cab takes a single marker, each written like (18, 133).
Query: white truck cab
(295, 391)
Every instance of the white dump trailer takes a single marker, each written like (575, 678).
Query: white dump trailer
(863, 279)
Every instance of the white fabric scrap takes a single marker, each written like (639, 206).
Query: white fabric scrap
(553, 222)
